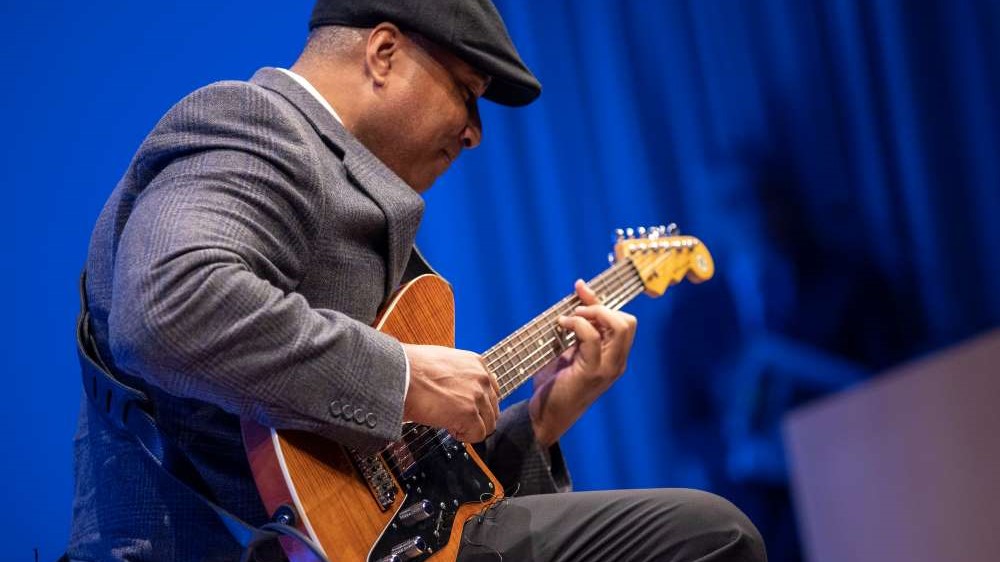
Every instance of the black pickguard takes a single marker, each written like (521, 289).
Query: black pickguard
(447, 478)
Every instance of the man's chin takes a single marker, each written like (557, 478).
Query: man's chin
(423, 184)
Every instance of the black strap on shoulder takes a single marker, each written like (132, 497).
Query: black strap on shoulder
(416, 266)
(130, 410)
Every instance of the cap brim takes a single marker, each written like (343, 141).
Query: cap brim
(511, 94)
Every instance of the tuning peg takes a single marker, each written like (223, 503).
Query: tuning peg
(671, 229)
(619, 235)
(629, 233)
(654, 233)
(611, 258)
(641, 231)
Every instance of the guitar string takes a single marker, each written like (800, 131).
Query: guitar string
(419, 449)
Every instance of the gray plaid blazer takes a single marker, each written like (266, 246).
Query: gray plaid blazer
(234, 272)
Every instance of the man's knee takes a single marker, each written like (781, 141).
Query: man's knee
(720, 530)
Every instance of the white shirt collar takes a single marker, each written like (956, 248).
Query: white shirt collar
(315, 93)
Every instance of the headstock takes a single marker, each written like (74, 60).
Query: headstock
(663, 257)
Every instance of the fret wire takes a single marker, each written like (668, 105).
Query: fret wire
(541, 361)
(613, 269)
(543, 334)
(630, 292)
(513, 352)
(561, 307)
(545, 322)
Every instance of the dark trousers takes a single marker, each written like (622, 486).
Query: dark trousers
(616, 526)
(664, 525)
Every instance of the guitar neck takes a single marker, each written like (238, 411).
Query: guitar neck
(520, 355)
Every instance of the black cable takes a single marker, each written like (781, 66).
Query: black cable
(288, 531)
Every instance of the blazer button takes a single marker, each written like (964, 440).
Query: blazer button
(359, 416)
(336, 408)
(371, 420)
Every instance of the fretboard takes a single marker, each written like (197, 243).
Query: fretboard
(518, 356)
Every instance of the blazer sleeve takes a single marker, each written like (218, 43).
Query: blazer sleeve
(518, 461)
(206, 267)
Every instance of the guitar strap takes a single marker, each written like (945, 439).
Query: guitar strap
(130, 409)
(417, 266)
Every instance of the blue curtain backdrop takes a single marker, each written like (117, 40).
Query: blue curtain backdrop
(839, 158)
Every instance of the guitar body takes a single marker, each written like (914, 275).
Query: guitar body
(366, 508)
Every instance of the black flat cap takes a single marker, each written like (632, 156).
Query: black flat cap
(472, 29)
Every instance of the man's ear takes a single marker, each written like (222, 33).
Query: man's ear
(384, 43)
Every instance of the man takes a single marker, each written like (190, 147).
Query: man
(237, 267)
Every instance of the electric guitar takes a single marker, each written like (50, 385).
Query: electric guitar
(409, 502)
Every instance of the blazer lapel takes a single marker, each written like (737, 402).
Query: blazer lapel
(402, 206)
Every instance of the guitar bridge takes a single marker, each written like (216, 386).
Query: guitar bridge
(376, 475)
